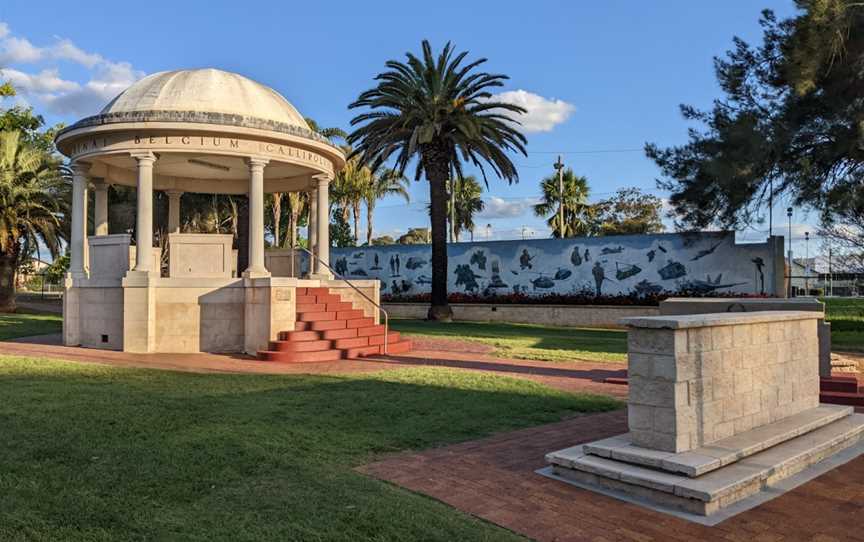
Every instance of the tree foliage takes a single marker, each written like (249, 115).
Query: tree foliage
(629, 211)
(415, 236)
(437, 112)
(340, 230)
(791, 118)
(34, 198)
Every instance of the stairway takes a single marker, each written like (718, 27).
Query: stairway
(841, 390)
(329, 329)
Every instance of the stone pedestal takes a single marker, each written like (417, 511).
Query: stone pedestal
(270, 308)
(721, 407)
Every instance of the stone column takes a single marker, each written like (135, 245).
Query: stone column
(256, 219)
(100, 212)
(312, 227)
(144, 223)
(323, 225)
(78, 236)
(174, 210)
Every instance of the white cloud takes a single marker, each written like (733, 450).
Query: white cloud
(48, 88)
(500, 208)
(66, 50)
(18, 51)
(543, 114)
(45, 82)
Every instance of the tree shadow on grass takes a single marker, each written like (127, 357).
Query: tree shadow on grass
(542, 337)
(595, 375)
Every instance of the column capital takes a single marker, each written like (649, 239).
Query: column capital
(255, 162)
(174, 192)
(318, 180)
(99, 183)
(80, 168)
(143, 156)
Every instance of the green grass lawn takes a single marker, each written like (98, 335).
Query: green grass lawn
(847, 323)
(524, 341)
(23, 324)
(92, 452)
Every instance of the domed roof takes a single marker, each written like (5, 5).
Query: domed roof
(205, 91)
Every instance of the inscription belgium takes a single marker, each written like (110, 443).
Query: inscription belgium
(199, 143)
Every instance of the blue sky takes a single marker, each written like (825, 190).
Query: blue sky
(598, 76)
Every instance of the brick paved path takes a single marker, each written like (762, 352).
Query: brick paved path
(570, 376)
(494, 479)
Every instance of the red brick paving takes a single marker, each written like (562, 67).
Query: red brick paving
(570, 376)
(494, 479)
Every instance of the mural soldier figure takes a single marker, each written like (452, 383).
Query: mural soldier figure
(599, 277)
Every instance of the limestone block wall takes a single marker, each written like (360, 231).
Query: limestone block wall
(696, 379)
(100, 313)
(202, 318)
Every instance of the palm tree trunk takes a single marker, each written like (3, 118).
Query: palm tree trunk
(7, 282)
(277, 218)
(356, 208)
(370, 210)
(437, 168)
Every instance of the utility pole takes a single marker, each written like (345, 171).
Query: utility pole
(559, 165)
(789, 215)
(830, 274)
(770, 208)
(807, 261)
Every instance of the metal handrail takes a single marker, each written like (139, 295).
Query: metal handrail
(359, 291)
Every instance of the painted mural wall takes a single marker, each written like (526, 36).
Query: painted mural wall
(702, 263)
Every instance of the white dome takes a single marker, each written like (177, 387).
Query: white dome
(205, 91)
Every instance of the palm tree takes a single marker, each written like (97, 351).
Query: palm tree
(467, 202)
(577, 211)
(347, 191)
(389, 183)
(298, 206)
(439, 112)
(465, 197)
(33, 202)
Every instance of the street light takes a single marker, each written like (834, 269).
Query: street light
(789, 215)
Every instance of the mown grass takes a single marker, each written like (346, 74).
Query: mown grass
(525, 341)
(847, 322)
(24, 324)
(93, 452)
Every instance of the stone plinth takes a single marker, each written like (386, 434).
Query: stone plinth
(200, 255)
(695, 379)
(721, 407)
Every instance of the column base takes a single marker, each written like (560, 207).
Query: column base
(136, 278)
(256, 274)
